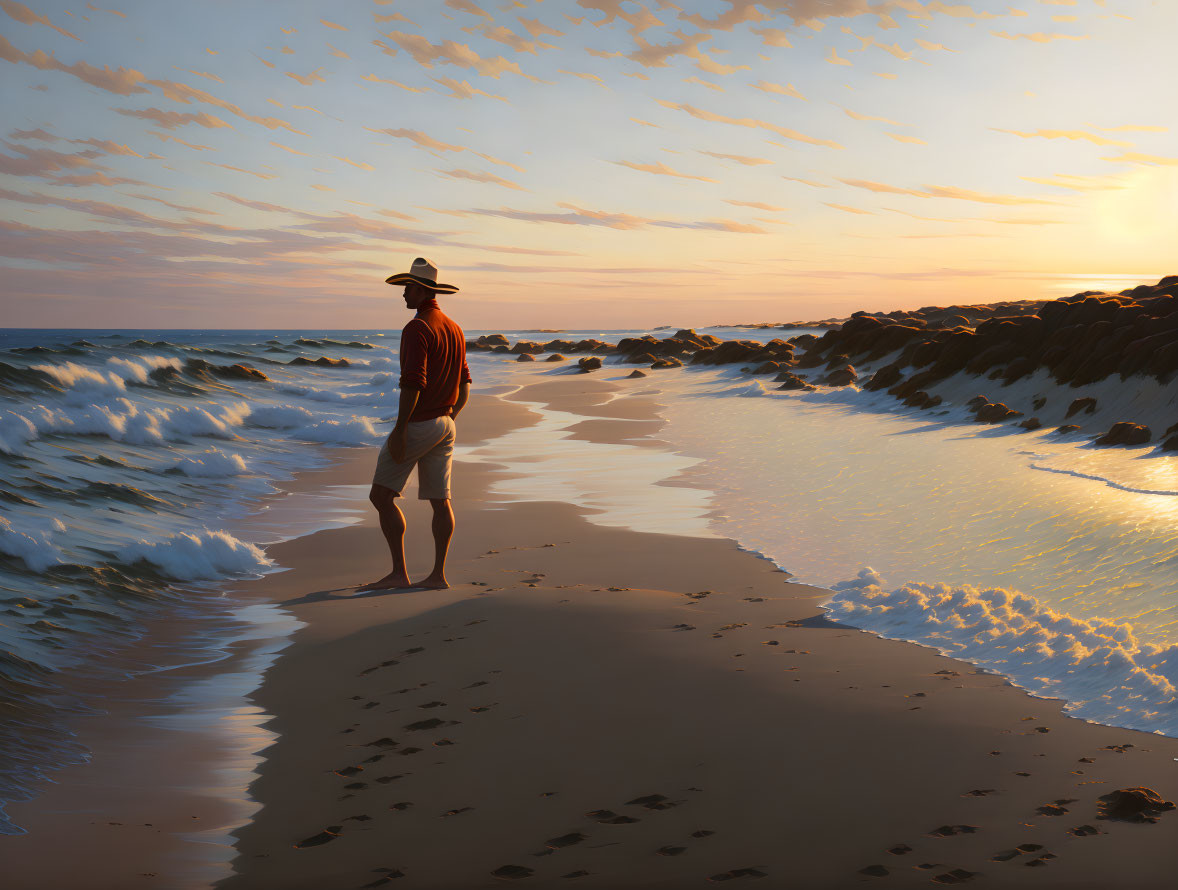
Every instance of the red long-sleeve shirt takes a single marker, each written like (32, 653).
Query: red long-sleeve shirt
(433, 361)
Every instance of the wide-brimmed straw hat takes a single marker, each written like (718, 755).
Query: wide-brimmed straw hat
(422, 272)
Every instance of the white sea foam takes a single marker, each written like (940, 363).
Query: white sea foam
(15, 431)
(212, 464)
(1106, 674)
(280, 417)
(356, 431)
(138, 368)
(33, 547)
(203, 555)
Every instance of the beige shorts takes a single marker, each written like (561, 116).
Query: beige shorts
(430, 448)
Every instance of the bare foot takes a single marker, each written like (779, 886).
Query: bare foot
(391, 581)
(433, 582)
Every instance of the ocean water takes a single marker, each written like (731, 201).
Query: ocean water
(138, 475)
(139, 471)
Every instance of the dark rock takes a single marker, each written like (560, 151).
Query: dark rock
(555, 357)
(1031, 423)
(793, 381)
(888, 375)
(1066, 428)
(1038, 402)
(527, 346)
(492, 340)
(1133, 805)
(502, 347)
(635, 373)
(995, 412)
(1087, 405)
(525, 357)
(1171, 444)
(589, 363)
(668, 362)
(1125, 433)
(976, 402)
(842, 377)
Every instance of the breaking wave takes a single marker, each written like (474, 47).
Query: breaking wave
(1105, 674)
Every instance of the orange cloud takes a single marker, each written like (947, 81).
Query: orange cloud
(748, 122)
(900, 137)
(395, 83)
(242, 170)
(809, 182)
(169, 120)
(788, 90)
(584, 75)
(333, 25)
(121, 81)
(308, 79)
(481, 176)
(536, 28)
(1038, 36)
(756, 205)
(1078, 183)
(1062, 134)
(26, 16)
(182, 93)
(870, 117)
(740, 159)
(468, 6)
(461, 89)
(1134, 157)
(846, 209)
(661, 169)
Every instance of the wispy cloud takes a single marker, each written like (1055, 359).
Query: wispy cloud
(661, 169)
(482, 176)
(748, 122)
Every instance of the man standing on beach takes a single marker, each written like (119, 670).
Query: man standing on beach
(435, 384)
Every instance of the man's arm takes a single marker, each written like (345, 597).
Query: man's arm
(399, 439)
(463, 395)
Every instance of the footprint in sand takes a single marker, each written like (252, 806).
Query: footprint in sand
(875, 871)
(431, 723)
(456, 812)
(609, 817)
(390, 874)
(670, 851)
(900, 850)
(950, 830)
(476, 683)
(373, 759)
(385, 742)
(401, 805)
(480, 708)
(579, 873)
(565, 840)
(433, 704)
(356, 786)
(652, 802)
(512, 872)
(348, 771)
(703, 832)
(979, 792)
(330, 833)
(360, 818)
(738, 873)
(377, 667)
(384, 780)
(405, 751)
(442, 743)
(956, 876)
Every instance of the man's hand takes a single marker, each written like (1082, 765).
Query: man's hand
(399, 443)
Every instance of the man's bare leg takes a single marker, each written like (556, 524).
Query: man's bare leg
(392, 524)
(443, 528)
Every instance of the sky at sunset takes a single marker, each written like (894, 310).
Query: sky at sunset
(578, 163)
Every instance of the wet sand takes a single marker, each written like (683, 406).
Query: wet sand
(603, 708)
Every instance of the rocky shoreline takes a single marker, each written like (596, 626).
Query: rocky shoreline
(1082, 340)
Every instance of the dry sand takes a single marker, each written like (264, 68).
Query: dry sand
(601, 708)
